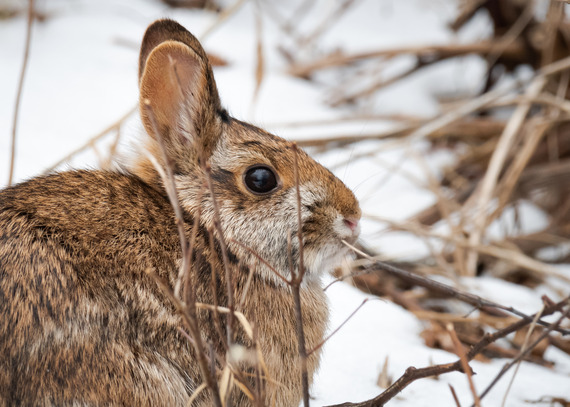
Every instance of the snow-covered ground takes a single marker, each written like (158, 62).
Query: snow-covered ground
(82, 77)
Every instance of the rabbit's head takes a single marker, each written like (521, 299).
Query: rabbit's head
(252, 171)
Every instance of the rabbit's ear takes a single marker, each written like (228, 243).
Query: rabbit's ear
(178, 94)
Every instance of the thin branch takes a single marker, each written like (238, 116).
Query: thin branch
(498, 158)
(425, 52)
(223, 248)
(459, 351)
(445, 289)
(524, 346)
(89, 143)
(188, 310)
(412, 374)
(457, 403)
(296, 281)
(526, 351)
(353, 313)
(261, 259)
(31, 15)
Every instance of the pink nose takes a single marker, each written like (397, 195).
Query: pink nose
(352, 223)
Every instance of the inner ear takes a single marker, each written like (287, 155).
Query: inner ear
(178, 95)
(167, 30)
(173, 85)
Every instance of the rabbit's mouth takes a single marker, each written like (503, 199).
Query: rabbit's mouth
(347, 229)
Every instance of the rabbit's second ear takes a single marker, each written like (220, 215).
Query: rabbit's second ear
(178, 95)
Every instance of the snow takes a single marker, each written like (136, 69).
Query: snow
(82, 76)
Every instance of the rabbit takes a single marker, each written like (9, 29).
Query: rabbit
(83, 320)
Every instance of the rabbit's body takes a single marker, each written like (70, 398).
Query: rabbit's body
(82, 321)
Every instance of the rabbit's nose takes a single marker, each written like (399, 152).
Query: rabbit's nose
(352, 223)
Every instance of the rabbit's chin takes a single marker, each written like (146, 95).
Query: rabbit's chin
(325, 260)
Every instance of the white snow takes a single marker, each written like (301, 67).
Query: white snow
(82, 76)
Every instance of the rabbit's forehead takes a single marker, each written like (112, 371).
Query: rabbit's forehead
(243, 145)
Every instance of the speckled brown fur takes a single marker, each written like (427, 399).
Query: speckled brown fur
(81, 320)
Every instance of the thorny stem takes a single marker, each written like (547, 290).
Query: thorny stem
(20, 87)
(188, 310)
(296, 281)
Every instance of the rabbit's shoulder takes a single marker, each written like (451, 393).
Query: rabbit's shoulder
(90, 219)
(97, 197)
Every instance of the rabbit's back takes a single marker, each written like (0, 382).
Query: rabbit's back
(79, 312)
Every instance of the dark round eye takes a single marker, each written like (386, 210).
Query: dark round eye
(260, 179)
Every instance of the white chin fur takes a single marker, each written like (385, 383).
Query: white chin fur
(324, 260)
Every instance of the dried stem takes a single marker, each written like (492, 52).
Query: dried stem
(526, 351)
(459, 351)
(412, 374)
(475, 300)
(457, 403)
(223, 247)
(524, 346)
(498, 158)
(424, 52)
(261, 259)
(89, 143)
(188, 310)
(296, 281)
(353, 313)
(31, 16)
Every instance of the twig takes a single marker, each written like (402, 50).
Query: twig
(412, 374)
(512, 34)
(261, 259)
(445, 289)
(188, 310)
(224, 15)
(454, 395)
(464, 362)
(353, 313)
(259, 55)
(296, 281)
(421, 52)
(524, 346)
(513, 256)
(92, 140)
(223, 248)
(20, 88)
(495, 165)
(526, 351)
(327, 22)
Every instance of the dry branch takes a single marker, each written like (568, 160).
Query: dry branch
(412, 374)
(31, 16)
(297, 280)
(91, 141)
(423, 53)
(474, 300)
(186, 310)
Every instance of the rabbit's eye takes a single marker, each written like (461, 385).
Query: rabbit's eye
(260, 179)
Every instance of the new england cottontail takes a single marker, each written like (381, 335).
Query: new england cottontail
(83, 322)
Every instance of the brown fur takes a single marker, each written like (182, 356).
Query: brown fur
(81, 320)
